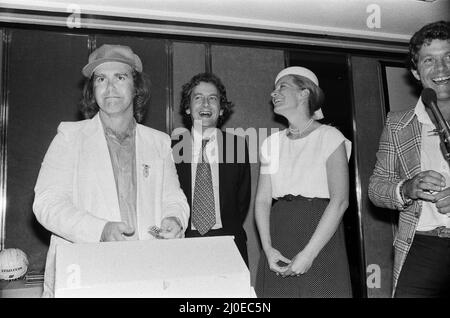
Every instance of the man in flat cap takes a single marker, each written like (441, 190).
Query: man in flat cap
(109, 178)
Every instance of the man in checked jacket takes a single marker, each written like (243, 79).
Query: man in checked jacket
(412, 176)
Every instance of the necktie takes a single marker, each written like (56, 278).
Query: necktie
(203, 214)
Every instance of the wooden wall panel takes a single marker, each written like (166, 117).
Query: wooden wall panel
(248, 75)
(188, 60)
(401, 89)
(3, 121)
(44, 89)
(369, 119)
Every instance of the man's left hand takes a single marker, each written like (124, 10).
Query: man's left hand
(171, 228)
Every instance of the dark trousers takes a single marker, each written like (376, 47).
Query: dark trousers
(426, 272)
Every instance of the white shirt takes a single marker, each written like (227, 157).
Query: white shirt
(298, 166)
(431, 158)
(212, 154)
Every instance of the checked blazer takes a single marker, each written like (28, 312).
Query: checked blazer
(398, 158)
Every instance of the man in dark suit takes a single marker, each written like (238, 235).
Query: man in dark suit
(213, 166)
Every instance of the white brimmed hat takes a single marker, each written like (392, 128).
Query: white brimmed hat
(298, 70)
(302, 71)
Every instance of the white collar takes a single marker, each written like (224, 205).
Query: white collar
(210, 134)
(421, 113)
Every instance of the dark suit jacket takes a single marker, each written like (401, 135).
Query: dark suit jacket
(234, 184)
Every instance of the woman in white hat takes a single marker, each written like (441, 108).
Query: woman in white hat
(305, 168)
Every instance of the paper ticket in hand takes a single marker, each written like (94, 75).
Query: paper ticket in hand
(155, 231)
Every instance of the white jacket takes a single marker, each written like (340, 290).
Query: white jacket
(75, 193)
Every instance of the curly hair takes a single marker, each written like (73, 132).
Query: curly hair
(225, 104)
(89, 107)
(439, 30)
(316, 95)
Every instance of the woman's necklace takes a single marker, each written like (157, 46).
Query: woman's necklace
(295, 132)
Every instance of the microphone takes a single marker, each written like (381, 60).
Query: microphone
(429, 99)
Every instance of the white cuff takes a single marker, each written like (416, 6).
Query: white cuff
(397, 192)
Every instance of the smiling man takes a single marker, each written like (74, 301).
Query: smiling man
(412, 176)
(215, 173)
(109, 178)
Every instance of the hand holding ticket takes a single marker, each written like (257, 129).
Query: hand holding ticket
(155, 231)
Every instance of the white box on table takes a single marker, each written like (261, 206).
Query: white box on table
(192, 267)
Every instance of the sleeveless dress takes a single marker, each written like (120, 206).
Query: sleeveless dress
(299, 185)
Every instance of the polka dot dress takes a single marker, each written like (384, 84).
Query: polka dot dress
(292, 223)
